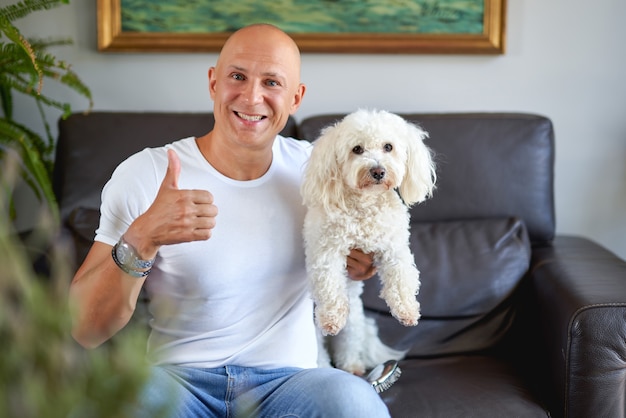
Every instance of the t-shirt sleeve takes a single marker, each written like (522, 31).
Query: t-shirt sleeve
(129, 192)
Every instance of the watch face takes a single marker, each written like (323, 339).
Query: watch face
(123, 253)
(126, 256)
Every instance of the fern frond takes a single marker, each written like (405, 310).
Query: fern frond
(40, 44)
(20, 73)
(14, 35)
(23, 86)
(40, 172)
(36, 166)
(12, 133)
(49, 67)
(71, 80)
(23, 8)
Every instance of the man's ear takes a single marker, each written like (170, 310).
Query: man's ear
(212, 81)
(297, 99)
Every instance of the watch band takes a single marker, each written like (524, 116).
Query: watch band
(125, 269)
(125, 256)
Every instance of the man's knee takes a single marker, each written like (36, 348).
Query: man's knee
(341, 394)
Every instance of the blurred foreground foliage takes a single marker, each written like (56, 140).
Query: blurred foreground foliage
(43, 371)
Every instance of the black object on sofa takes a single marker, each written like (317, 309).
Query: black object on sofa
(516, 322)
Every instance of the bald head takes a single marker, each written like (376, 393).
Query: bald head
(265, 41)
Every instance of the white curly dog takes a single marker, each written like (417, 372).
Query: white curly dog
(363, 175)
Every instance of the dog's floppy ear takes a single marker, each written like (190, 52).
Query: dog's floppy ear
(323, 183)
(419, 181)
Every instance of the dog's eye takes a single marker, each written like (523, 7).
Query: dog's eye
(388, 147)
(358, 150)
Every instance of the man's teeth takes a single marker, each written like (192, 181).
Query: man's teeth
(250, 118)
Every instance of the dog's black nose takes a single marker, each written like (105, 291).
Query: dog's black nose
(378, 173)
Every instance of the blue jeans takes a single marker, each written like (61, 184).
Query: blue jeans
(234, 391)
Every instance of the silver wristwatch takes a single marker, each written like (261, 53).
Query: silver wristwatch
(125, 256)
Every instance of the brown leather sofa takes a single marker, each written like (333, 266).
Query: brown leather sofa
(516, 322)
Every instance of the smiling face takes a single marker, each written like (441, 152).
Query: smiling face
(255, 86)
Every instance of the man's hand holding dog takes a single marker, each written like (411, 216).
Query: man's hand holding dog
(360, 266)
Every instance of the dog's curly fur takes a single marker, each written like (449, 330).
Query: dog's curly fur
(363, 174)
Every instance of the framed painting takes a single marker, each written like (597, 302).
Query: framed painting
(328, 26)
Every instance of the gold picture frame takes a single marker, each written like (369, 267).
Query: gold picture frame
(111, 37)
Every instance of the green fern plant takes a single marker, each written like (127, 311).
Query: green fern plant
(24, 65)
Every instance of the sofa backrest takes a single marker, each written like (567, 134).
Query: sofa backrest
(91, 145)
(489, 165)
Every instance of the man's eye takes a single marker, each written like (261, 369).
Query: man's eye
(237, 76)
(358, 150)
(272, 83)
(388, 147)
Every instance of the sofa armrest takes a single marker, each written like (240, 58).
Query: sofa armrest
(580, 288)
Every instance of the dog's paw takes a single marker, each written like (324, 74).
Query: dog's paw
(329, 328)
(409, 321)
(332, 320)
(407, 314)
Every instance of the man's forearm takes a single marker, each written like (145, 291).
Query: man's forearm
(103, 299)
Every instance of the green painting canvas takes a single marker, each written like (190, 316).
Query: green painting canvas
(305, 16)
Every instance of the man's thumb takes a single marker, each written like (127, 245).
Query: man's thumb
(173, 170)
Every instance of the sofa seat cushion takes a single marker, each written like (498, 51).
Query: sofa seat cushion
(461, 386)
(469, 271)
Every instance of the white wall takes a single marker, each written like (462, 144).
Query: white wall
(565, 59)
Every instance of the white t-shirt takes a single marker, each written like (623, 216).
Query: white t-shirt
(241, 297)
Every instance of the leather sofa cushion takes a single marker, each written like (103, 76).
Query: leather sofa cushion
(82, 224)
(461, 386)
(469, 269)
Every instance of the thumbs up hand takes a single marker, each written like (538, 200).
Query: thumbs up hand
(175, 216)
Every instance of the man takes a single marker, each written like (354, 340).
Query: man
(232, 329)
